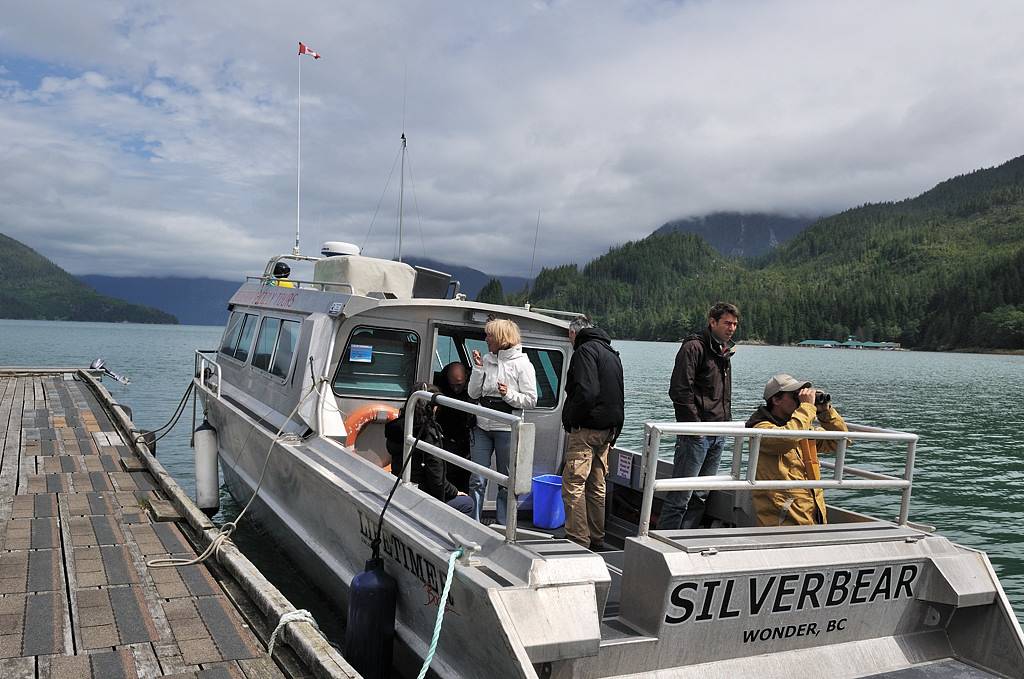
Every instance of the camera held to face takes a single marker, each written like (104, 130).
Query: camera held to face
(822, 398)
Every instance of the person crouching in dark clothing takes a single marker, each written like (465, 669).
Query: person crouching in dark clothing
(456, 425)
(428, 472)
(593, 415)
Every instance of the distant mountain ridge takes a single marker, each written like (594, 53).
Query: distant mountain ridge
(740, 234)
(193, 301)
(203, 301)
(33, 287)
(943, 270)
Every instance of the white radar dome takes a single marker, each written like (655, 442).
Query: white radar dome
(336, 248)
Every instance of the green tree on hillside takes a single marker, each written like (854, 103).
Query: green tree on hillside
(491, 293)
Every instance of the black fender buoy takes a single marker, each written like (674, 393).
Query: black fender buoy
(370, 628)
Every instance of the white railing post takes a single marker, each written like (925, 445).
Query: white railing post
(840, 459)
(511, 499)
(520, 459)
(737, 456)
(649, 467)
(407, 434)
(908, 474)
(755, 453)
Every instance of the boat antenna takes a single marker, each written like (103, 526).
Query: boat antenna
(401, 175)
(401, 198)
(298, 164)
(533, 260)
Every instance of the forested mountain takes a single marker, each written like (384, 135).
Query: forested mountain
(32, 286)
(740, 234)
(942, 270)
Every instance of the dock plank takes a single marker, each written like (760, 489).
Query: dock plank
(77, 597)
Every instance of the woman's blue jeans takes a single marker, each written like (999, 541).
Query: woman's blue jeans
(485, 444)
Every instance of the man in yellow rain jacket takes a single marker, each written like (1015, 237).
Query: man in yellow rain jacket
(791, 404)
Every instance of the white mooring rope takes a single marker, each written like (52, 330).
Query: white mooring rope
(301, 615)
(225, 530)
(440, 612)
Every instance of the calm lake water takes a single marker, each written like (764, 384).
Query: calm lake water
(965, 407)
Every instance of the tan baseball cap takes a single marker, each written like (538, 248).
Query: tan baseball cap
(783, 382)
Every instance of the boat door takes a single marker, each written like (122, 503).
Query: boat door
(550, 361)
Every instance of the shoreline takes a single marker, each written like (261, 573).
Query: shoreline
(753, 343)
(762, 343)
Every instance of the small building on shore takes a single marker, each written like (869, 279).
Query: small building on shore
(818, 343)
(849, 344)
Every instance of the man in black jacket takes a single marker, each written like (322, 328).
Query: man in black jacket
(428, 472)
(593, 416)
(456, 425)
(701, 391)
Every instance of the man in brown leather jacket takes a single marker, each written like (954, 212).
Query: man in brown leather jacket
(701, 391)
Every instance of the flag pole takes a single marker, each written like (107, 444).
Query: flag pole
(298, 166)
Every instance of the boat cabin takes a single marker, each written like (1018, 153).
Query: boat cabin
(367, 330)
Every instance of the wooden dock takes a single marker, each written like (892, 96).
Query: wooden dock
(82, 509)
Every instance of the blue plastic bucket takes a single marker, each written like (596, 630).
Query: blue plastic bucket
(548, 510)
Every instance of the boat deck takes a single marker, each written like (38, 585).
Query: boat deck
(81, 512)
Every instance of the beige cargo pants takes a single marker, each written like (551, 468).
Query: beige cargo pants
(583, 485)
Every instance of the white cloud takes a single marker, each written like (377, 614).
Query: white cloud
(143, 138)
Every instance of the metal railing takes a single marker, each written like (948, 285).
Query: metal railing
(554, 312)
(207, 368)
(520, 464)
(328, 286)
(866, 479)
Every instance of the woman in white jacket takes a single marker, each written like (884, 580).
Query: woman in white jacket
(504, 380)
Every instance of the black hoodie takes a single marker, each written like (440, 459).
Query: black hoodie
(428, 472)
(593, 387)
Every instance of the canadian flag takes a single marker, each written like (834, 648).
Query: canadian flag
(305, 50)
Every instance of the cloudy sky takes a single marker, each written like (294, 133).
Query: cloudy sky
(156, 138)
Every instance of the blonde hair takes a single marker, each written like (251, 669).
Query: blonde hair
(504, 332)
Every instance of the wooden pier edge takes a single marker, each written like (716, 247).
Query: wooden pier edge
(319, 657)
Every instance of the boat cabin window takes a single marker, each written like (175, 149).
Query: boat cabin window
(265, 343)
(547, 364)
(377, 363)
(238, 336)
(227, 345)
(285, 350)
(275, 346)
(245, 338)
(446, 352)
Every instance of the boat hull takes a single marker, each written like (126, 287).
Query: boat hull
(323, 510)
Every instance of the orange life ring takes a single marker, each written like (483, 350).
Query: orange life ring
(364, 415)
